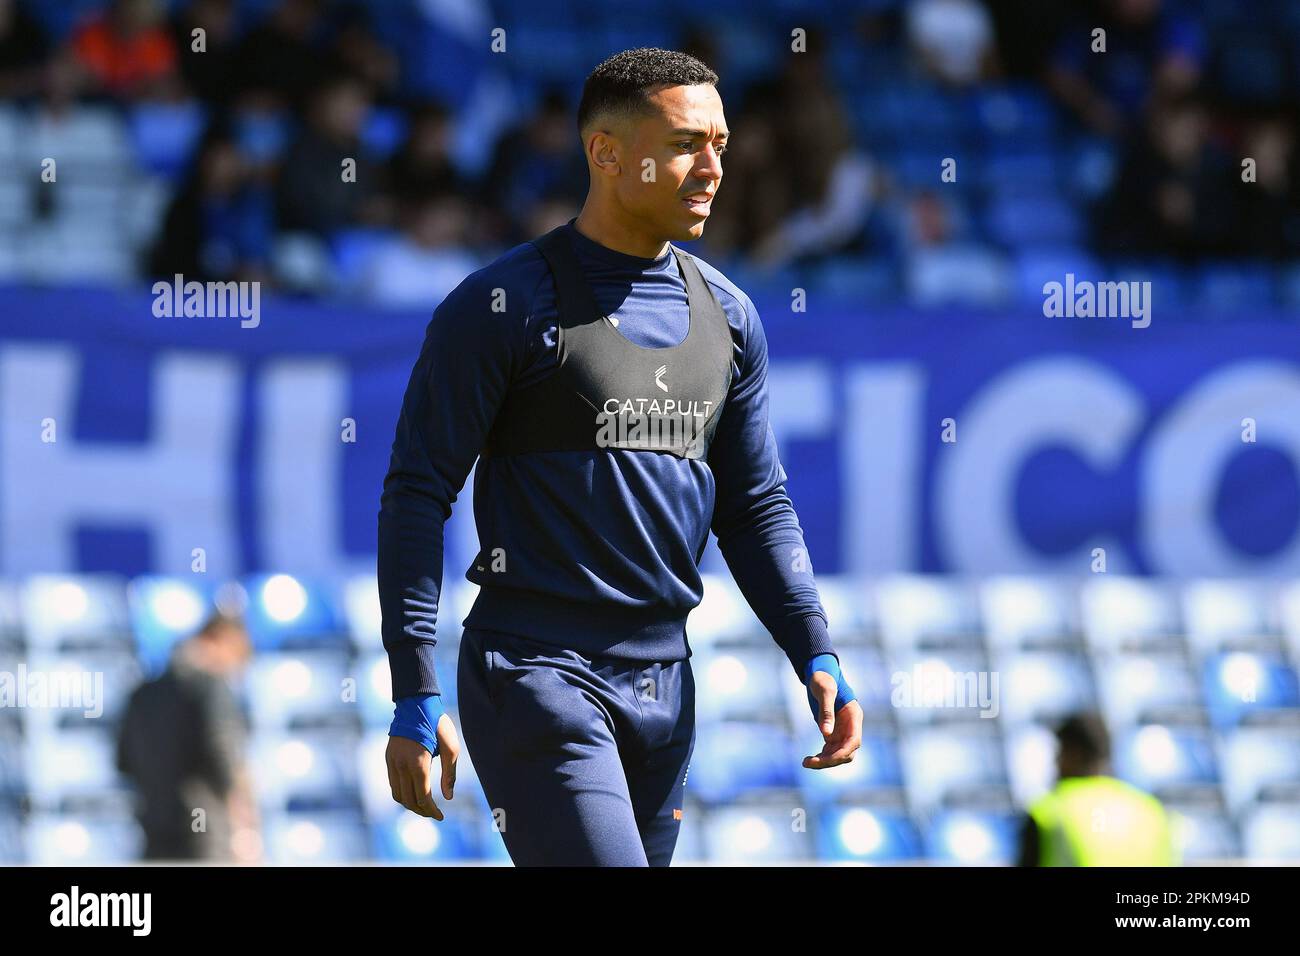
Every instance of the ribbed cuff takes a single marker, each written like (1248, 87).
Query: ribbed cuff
(802, 639)
(412, 668)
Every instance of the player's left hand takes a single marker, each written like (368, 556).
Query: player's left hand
(841, 730)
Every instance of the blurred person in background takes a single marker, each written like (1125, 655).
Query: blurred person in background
(942, 260)
(281, 52)
(1173, 194)
(829, 190)
(361, 53)
(126, 49)
(23, 50)
(311, 194)
(208, 73)
(220, 224)
(1090, 818)
(1268, 209)
(1151, 52)
(953, 39)
(428, 259)
(182, 741)
(535, 161)
(422, 165)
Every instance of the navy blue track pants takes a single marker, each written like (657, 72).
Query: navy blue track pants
(583, 760)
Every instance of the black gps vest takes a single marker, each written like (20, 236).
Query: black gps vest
(609, 392)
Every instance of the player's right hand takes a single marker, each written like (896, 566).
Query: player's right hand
(410, 769)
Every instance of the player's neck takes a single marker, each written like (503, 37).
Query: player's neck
(610, 232)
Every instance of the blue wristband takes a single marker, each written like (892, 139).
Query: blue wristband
(416, 718)
(831, 665)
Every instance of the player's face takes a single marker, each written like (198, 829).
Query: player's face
(684, 141)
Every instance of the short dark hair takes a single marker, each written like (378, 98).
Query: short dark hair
(621, 84)
(1085, 735)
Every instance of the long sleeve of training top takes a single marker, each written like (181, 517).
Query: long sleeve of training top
(755, 522)
(597, 550)
(464, 368)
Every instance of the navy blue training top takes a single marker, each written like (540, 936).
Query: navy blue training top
(600, 549)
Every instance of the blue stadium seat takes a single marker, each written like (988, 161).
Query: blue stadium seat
(61, 611)
(404, 837)
(1204, 832)
(867, 835)
(979, 838)
(309, 839)
(875, 768)
(58, 839)
(1249, 687)
(1272, 832)
(285, 611)
(928, 612)
(1034, 267)
(1142, 688)
(165, 135)
(1227, 614)
(1156, 757)
(1031, 221)
(1042, 685)
(302, 689)
(756, 833)
(1124, 613)
(1029, 613)
(1260, 763)
(1022, 115)
(738, 683)
(939, 686)
(955, 763)
(165, 610)
(317, 768)
(733, 757)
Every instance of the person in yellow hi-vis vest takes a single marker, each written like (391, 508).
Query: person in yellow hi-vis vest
(1090, 818)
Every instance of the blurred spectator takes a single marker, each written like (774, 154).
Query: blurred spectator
(1090, 818)
(942, 264)
(953, 38)
(1173, 194)
(261, 125)
(754, 192)
(1268, 209)
(127, 48)
(359, 52)
(281, 53)
(312, 194)
(536, 160)
(220, 224)
(1150, 52)
(182, 741)
(423, 165)
(418, 268)
(23, 49)
(830, 184)
(208, 73)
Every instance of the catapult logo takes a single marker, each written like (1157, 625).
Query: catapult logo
(134, 910)
(214, 300)
(659, 374)
(651, 423)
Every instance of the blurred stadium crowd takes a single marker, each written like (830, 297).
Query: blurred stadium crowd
(226, 163)
(1196, 684)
